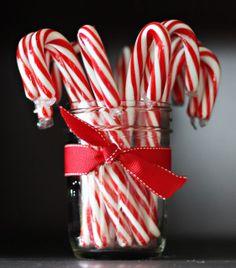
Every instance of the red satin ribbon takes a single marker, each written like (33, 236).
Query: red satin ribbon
(148, 165)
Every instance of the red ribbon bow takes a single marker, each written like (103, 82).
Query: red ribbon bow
(148, 165)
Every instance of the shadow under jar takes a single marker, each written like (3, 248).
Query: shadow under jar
(112, 215)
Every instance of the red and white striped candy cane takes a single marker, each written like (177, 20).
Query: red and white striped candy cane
(28, 79)
(107, 117)
(99, 72)
(122, 69)
(129, 205)
(149, 66)
(95, 58)
(147, 203)
(176, 83)
(86, 238)
(56, 76)
(213, 72)
(100, 221)
(177, 95)
(201, 106)
(66, 60)
(55, 72)
(152, 52)
(93, 64)
(191, 52)
(157, 33)
(110, 195)
(194, 101)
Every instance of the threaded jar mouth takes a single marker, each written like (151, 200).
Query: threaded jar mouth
(141, 104)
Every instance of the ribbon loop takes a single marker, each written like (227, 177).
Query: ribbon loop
(148, 165)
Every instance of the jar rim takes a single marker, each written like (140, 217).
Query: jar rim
(74, 106)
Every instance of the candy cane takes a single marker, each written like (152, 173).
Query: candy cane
(202, 105)
(123, 233)
(67, 63)
(148, 204)
(55, 72)
(129, 205)
(86, 238)
(122, 69)
(178, 90)
(29, 83)
(74, 78)
(95, 207)
(56, 76)
(95, 58)
(214, 72)
(151, 32)
(39, 76)
(192, 109)
(191, 51)
(90, 70)
(99, 219)
(153, 59)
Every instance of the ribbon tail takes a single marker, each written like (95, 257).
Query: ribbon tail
(83, 130)
(159, 180)
(80, 159)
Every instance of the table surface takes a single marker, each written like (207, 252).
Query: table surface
(72, 263)
(177, 254)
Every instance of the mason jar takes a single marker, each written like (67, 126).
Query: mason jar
(111, 215)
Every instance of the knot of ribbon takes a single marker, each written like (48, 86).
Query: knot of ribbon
(110, 153)
(148, 165)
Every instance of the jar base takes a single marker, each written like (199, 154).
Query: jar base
(121, 253)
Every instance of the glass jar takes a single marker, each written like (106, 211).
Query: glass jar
(110, 214)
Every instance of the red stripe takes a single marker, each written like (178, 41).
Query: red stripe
(94, 35)
(96, 50)
(209, 54)
(73, 66)
(44, 71)
(193, 56)
(129, 205)
(108, 85)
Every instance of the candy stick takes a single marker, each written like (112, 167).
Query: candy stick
(86, 232)
(123, 233)
(129, 205)
(99, 220)
(191, 51)
(100, 224)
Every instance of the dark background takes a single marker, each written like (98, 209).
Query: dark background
(33, 212)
